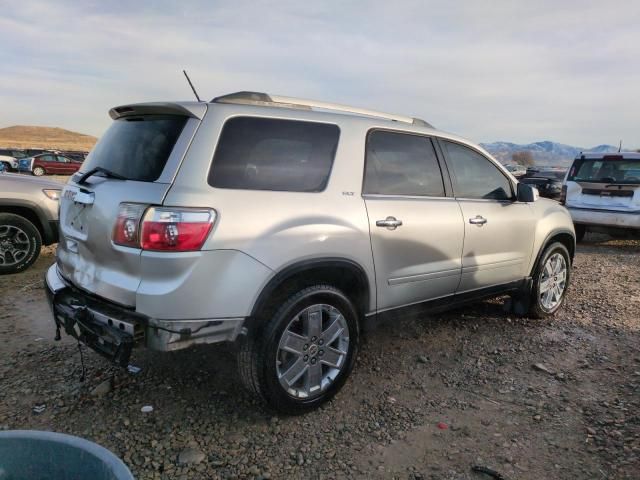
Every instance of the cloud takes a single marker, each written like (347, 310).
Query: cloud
(518, 71)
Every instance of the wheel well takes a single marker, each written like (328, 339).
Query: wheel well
(344, 275)
(567, 240)
(26, 213)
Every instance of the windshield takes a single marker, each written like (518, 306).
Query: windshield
(606, 171)
(137, 148)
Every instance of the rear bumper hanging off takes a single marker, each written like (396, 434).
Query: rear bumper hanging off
(76, 315)
(113, 331)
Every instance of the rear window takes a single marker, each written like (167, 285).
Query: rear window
(605, 171)
(138, 147)
(273, 154)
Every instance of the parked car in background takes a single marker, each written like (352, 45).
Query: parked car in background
(602, 193)
(288, 225)
(516, 170)
(30, 152)
(13, 152)
(28, 219)
(9, 158)
(8, 163)
(548, 182)
(76, 156)
(49, 164)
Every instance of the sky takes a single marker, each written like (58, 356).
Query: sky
(517, 71)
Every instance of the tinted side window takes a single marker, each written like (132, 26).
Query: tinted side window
(401, 164)
(47, 158)
(474, 175)
(273, 154)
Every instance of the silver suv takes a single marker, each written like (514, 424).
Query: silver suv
(289, 226)
(28, 219)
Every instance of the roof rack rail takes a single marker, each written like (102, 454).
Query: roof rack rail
(258, 98)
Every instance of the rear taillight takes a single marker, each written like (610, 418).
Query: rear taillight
(162, 229)
(563, 195)
(175, 229)
(126, 231)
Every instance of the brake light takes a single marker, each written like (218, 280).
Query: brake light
(563, 195)
(126, 231)
(175, 229)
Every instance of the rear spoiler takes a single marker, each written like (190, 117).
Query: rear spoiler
(189, 109)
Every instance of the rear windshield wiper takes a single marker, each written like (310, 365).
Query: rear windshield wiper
(104, 171)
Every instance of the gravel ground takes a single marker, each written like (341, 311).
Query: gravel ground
(429, 398)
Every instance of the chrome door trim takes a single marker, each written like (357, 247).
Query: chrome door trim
(374, 196)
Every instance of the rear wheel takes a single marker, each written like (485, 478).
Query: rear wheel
(550, 281)
(304, 353)
(20, 243)
(38, 171)
(581, 230)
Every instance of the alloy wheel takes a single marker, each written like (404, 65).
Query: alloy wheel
(312, 351)
(14, 245)
(553, 281)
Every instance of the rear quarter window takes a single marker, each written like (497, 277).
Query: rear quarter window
(273, 154)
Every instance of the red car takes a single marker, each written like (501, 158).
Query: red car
(49, 163)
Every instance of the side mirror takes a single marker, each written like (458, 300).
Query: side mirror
(527, 193)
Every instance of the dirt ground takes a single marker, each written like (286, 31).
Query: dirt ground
(469, 371)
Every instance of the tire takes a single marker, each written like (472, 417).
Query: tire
(263, 363)
(20, 243)
(39, 171)
(581, 230)
(544, 304)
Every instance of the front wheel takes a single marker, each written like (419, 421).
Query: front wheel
(550, 281)
(304, 353)
(38, 171)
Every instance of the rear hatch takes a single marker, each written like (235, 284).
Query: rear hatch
(134, 162)
(611, 182)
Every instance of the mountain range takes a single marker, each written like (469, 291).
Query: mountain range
(544, 153)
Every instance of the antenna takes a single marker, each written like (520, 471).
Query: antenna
(620, 147)
(191, 85)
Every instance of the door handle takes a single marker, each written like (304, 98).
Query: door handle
(478, 220)
(391, 223)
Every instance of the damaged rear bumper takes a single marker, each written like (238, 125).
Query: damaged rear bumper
(113, 330)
